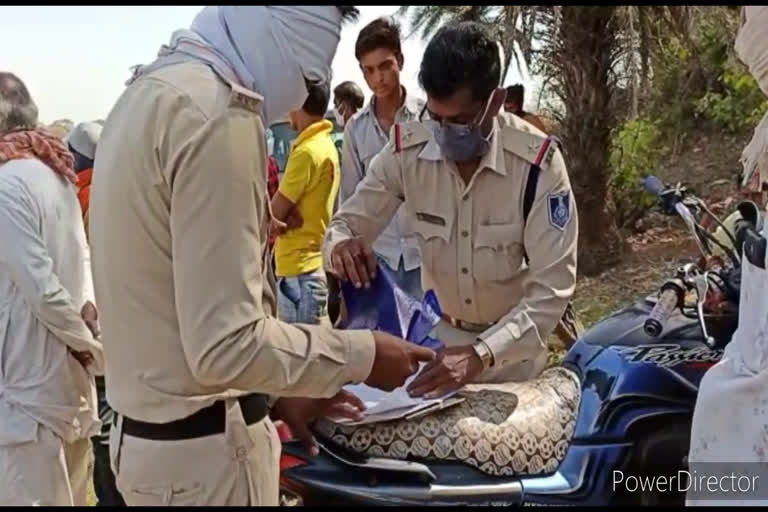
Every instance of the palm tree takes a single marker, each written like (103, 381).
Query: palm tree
(512, 25)
(581, 53)
(584, 54)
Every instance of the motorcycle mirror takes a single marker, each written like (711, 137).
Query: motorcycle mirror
(750, 212)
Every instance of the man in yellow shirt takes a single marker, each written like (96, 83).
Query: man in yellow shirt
(307, 192)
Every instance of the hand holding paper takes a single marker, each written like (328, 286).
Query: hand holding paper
(383, 406)
(299, 413)
(454, 367)
(385, 307)
(395, 361)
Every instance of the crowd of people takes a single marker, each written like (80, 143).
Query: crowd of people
(166, 295)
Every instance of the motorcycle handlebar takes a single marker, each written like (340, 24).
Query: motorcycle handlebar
(671, 200)
(653, 185)
(657, 318)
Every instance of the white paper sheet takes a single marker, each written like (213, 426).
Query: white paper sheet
(388, 405)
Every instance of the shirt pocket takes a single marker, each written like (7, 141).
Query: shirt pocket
(433, 233)
(498, 253)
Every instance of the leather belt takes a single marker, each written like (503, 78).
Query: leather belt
(465, 326)
(208, 421)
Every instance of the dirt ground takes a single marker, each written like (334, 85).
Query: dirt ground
(655, 256)
(708, 165)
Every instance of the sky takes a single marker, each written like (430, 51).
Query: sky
(75, 60)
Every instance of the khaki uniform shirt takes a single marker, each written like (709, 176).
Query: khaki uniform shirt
(472, 237)
(178, 230)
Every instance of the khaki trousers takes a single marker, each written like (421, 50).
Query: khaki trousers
(45, 472)
(240, 467)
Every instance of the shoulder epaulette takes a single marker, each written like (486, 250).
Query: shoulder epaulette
(245, 99)
(411, 133)
(531, 147)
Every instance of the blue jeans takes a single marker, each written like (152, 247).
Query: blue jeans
(408, 280)
(302, 299)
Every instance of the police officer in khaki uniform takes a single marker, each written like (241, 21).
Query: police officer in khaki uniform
(179, 217)
(569, 328)
(462, 177)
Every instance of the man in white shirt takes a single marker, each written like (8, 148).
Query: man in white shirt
(380, 56)
(49, 353)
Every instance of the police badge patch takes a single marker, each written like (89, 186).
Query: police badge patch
(559, 210)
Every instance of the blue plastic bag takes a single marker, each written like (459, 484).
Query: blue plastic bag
(386, 307)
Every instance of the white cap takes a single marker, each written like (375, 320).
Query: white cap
(84, 137)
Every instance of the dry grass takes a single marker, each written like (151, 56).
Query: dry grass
(655, 256)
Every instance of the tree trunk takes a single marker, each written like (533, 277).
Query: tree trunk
(509, 16)
(631, 61)
(586, 46)
(645, 51)
(529, 29)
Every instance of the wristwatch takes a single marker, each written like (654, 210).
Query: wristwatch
(484, 353)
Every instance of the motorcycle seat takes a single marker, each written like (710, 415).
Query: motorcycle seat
(514, 428)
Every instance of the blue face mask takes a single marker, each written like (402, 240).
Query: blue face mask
(462, 142)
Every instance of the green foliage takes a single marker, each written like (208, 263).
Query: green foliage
(696, 78)
(738, 106)
(634, 155)
(672, 66)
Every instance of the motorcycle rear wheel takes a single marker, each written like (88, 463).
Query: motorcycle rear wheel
(658, 451)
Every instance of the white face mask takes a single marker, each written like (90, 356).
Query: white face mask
(338, 116)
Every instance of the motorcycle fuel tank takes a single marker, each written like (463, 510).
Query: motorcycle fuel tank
(628, 375)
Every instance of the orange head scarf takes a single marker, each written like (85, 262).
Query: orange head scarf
(41, 145)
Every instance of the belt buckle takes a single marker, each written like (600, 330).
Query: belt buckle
(471, 327)
(464, 325)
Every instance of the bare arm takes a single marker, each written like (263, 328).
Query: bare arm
(281, 206)
(291, 189)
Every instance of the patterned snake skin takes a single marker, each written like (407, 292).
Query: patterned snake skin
(502, 429)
